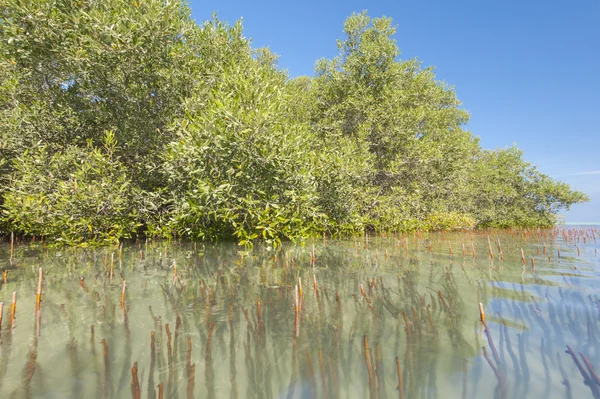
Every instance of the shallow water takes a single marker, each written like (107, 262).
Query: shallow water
(419, 311)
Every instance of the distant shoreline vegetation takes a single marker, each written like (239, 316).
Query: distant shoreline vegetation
(121, 119)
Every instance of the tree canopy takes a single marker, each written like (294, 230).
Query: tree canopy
(121, 119)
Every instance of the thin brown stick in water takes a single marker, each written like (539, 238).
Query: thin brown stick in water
(258, 312)
(372, 390)
(488, 334)
(300, 292)
(171, 375)
(30, 369)
(570, 351)
(105, 348)
(123, 294)
(5, 276)
(169, 348)
(406, 324)
(296, 309)
(400, 385)
(151, 391)
(211, 329)
(38, 323)
(135, 383)
(444, 302)
(584, 374)
(12, 245)
(160, 391)
(112, 266)
(482, 314)
(590, 368)
(13, 308)
(500, 250)
(191, 381)
(38, 298)
(188, 357)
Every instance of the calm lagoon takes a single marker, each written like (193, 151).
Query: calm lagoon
(380, 317)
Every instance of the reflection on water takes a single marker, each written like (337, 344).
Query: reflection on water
(378, 317)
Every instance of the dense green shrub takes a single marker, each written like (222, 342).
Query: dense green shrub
(441, 221)
(72, 69)
(507, 191)
(240, 166)
(406, 125)
(81, 195)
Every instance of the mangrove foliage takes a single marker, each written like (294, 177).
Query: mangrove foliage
(122, 119)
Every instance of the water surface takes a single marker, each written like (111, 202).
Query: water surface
(223, 325)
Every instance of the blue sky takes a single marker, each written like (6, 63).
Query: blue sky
(527, 71)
